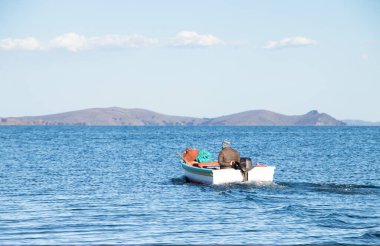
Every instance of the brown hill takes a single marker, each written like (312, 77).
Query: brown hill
(141, 117)
(103, 116)
(268, 118)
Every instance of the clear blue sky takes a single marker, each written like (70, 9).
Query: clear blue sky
(194, 58)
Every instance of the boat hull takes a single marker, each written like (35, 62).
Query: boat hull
(225, 176)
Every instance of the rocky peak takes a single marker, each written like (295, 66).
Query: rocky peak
(313, 112)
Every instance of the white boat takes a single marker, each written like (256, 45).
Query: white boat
(259, 173)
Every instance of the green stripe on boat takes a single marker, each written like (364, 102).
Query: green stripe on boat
(197, 170)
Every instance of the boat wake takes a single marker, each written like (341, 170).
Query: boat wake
(178, 181)
(344, 189)
(348, 189)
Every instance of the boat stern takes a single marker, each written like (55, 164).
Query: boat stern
(261, 174)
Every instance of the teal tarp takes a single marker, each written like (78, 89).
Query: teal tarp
(204, 156)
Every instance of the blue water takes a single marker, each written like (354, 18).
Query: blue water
(61, 185)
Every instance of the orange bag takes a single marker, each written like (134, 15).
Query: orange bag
(190, 154)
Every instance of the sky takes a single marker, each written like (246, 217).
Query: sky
(200, 58)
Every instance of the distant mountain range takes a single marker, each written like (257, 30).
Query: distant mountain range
(116, 116)
(360, 123)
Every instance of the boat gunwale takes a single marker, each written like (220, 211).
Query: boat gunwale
(197, 170)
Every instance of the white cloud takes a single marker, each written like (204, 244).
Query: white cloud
(193, 39)
(289, 42)
(70, 41)
(28, 43)
(74, 42)
(132, 41)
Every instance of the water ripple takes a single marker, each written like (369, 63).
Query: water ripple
(117, 185)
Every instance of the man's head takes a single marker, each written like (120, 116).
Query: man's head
(226, 143)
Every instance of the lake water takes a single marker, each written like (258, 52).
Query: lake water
(61, 185)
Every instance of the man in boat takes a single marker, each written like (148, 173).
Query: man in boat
(228, 157)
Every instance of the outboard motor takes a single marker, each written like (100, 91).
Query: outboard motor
(245, 165)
